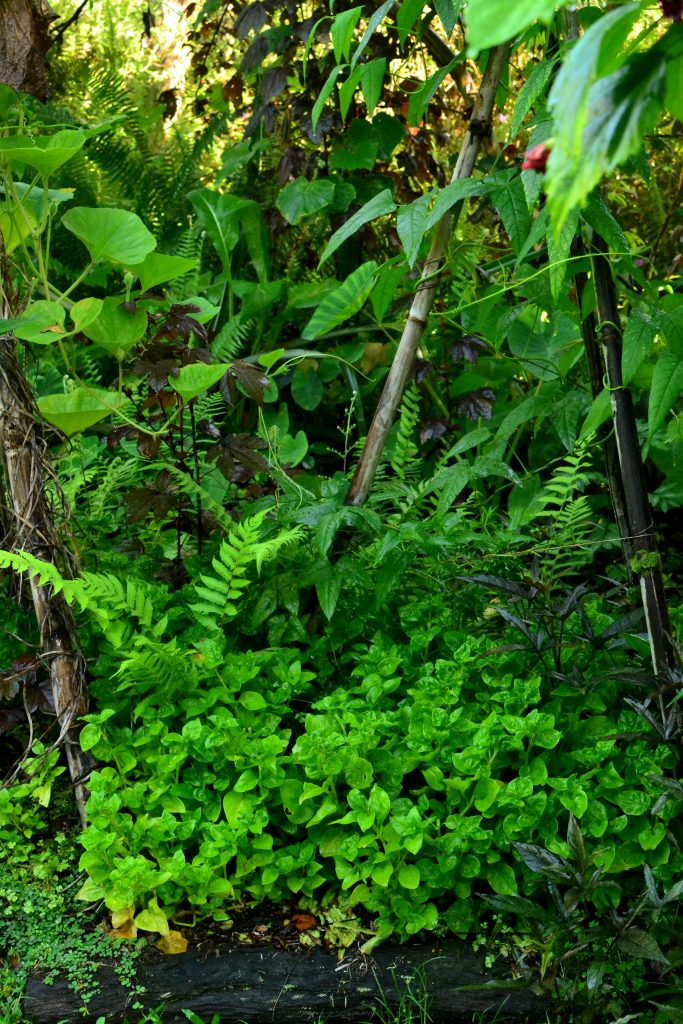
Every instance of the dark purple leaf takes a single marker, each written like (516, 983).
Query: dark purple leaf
(423, 370)
(251, 19)
(477, 404)
(470, 347)
(238, 456)
(251, 378)
(158, 498)
(433, 429)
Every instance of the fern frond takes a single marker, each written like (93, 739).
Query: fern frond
(405, 449)
(231, 338)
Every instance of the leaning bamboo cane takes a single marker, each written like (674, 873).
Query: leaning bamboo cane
(395, 384)
(22, 456)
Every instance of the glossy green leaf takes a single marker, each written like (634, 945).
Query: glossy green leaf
(117, 236)
(374, 22)
(371, 82)
(342, 31)
(420, 98)
(343, 302)
(379, 206)
(448, 12)
(223, 215)
(666, 387)
(46, 154)
(302, 198)
(324, 93)
(501, 878)
(409, 876)
(307, 388)
(78, 409)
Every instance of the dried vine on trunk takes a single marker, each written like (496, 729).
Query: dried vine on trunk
(29, 527)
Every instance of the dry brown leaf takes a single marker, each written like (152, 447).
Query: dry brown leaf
(303, 922)
(172, 943)
(128, 930)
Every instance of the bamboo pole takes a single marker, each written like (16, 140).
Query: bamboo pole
(401, 367)
(28, 518)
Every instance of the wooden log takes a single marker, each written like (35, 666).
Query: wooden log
(267, 985)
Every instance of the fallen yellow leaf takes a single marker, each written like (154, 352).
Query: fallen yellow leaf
(119, 917)
(172, 943)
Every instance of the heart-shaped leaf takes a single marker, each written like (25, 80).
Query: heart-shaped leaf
(115, 235)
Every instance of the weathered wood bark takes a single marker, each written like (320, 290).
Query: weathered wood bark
(24, 41)
(264, 985)
(395, 384)
(641, 527)
(29, 522)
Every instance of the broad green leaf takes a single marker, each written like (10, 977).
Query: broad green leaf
(371, 80)
(16, 224)
(252, 700)
(373, 23)
(117, 236)
(153, 919)
(342, 32)
(307, 387)
(501, 878)
(195, 378)
(302, 198)
(389, 278)
(159, 267)
(79, 409)
(638, 342)
(529, 93)
(510, 202)
(670, 325)
(222, 215)
(328, 588)
(343, 302)
(638, 943)
(41, 324)
(539, 229)
(379, 206)
(674, 89)
(490, 22)
(45, 154)
(448, 11)
(411, 225)
(85, 312)
(324, 93)
(667, 385)
(114, 329)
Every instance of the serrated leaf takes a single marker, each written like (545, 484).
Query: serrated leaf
(667, 384)
(637, 344)
(529, 93)
(601, 220)
(490, 22)
(559, 247)
(379, 206)
(411, 224)
(510, 202)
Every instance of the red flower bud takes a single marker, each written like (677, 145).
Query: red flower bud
(536, 158)
(672, 9)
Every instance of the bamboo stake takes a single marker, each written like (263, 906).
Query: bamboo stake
(23, 457)
(401, 367)
(645, 562)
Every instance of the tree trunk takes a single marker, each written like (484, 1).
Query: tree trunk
(401, 367)
(29, 526)
(266, 985)
(24, 41)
